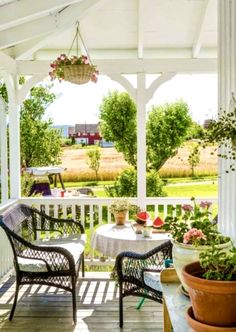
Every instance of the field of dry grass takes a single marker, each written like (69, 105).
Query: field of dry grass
(112, 163)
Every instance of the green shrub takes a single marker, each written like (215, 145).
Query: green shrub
(126, 185)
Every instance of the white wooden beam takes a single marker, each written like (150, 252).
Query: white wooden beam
(65, 19)
(24, 90)
(7, 63)
(127, 53)
(156, 83)
(19, 12)
(14, 136)
(200, 29)
(128, 66)
(125, 83)
(141, 140)
(141, 8)
(27, 31)
(4, 151)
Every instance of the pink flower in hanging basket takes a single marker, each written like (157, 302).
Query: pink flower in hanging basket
(79, 74)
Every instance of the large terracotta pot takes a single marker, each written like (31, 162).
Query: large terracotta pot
(120, 217)
(184, 254)
(213, 302)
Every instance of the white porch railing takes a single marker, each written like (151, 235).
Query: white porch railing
(91, 212)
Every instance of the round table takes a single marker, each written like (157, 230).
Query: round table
(111, 239)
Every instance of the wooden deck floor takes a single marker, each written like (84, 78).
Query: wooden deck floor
(42, 308)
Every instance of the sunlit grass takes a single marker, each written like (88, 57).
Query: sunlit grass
(195, 190)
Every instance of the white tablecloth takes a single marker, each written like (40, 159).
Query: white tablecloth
(111, 239)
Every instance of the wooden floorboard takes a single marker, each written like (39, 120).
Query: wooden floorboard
(42, 308)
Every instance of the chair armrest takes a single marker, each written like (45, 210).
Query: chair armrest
(131, 265)
(64, 226)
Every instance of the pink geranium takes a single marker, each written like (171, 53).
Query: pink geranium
(187, 207)
(193, 236)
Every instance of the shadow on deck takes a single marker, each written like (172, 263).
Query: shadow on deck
(42, 308)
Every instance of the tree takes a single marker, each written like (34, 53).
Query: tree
(194, 158)
(94, 157)
(118, 124)
(40, 144)
(167, 128)
(196, 131)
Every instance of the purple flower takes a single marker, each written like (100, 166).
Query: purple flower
(205, 204)
(187, 207)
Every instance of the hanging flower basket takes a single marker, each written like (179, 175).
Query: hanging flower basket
(73, 69)
(78, 74)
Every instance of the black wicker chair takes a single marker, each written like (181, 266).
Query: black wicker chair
(54, 259)
(131, 270)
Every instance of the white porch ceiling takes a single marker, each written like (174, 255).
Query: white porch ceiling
(112, 30)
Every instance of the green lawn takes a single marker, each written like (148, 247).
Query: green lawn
(194, 190)
(208, 189)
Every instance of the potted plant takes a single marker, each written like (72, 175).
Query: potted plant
(73, 69)
(212, 289)
(223, 132)
(193, 232)
(119, 209)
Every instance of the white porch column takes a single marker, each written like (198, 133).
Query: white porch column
(14, 136)
(141, 139)
(4, 151)
(227, 86)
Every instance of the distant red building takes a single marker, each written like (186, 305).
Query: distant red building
(87, 134)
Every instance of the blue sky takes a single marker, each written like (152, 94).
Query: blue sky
(80, 103)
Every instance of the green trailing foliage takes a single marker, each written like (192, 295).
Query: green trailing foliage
(223, 133)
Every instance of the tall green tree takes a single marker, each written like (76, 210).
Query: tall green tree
(40, 144)
(118, 124)
(167, 128)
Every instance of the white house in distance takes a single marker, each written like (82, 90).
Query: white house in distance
(65, 130)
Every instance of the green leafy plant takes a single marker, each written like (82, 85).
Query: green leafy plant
(194, 226)
(218, 264)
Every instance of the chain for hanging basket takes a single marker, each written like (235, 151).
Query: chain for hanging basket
(74, 69)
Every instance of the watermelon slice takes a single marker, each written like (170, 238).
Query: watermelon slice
(158, 223)
(142, 217)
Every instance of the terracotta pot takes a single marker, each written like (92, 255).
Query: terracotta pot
(120, 217)
(202, 327)
(213, 302)
(185, 254)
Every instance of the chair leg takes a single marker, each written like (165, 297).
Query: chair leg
(120, 305)
(15, 299)
(74, 299)
(82, 262)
